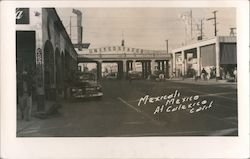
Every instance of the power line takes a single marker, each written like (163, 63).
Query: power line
(215, 23)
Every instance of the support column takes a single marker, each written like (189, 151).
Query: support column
(170, 68)
(124, 67)
(198, 61)
(143, 68)
(152, 66)
(40, 68)
(99, 70)
(133, 64)
(162, 65)
(149, 68)
(167, 69)
(174, 64)
(217, 55)
(183, 63)
(158, 65)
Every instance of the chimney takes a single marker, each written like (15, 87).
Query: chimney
(79, 27)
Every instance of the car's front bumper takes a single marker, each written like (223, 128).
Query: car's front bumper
(99, 94)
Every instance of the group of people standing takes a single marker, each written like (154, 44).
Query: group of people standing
(225, 74)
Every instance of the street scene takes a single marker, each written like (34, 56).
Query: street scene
(118, 113)
(129, 72)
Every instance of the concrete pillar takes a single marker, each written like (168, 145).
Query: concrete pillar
(198, 61)
(99, 70)
(130, 65)
(161, 66)
(183, 63)
(40, 66)
(217, 55)
(152, 66)
(158, 65)
(133, 64)
(164, 65)
(149, 67)
(174, 64)
(124, 67)
(170, 68)
(143, 68)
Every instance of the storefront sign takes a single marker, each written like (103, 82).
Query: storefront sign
(22, 16)
(39, 56)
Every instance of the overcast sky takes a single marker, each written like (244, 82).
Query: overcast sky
(146, 28)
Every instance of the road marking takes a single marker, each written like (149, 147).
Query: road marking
(224, 132)
(38, 129)
(26, 127)
(215, 94)
(142, 113)
(134, 122)
(226, 107)
(186, 133)
(224, 119)
(28, 132)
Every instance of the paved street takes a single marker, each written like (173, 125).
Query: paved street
(209, 109)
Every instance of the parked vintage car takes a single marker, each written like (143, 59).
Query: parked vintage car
(85, 85)
(135, 75)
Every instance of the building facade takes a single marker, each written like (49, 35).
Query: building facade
(217, 56)
(45, 49)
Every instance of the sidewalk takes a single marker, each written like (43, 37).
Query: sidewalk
(203, 82)
(23, 124)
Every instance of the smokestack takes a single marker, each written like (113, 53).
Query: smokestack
(79, 27)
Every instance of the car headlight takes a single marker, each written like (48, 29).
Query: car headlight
(73, 89)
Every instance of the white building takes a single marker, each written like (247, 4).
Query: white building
(219, 53)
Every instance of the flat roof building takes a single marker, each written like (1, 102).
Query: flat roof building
(218, 56)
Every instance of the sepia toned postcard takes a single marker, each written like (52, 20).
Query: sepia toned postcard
(125, 79)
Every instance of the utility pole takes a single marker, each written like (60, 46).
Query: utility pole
(70, 27)
(123, 41)
(167, 45)
(201, 29)
(191, 19)
(215, 22)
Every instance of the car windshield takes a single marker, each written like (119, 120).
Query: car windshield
(87, 76)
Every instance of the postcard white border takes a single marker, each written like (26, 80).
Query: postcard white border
(120, 147)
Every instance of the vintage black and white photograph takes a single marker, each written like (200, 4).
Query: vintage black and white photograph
(126, 72)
